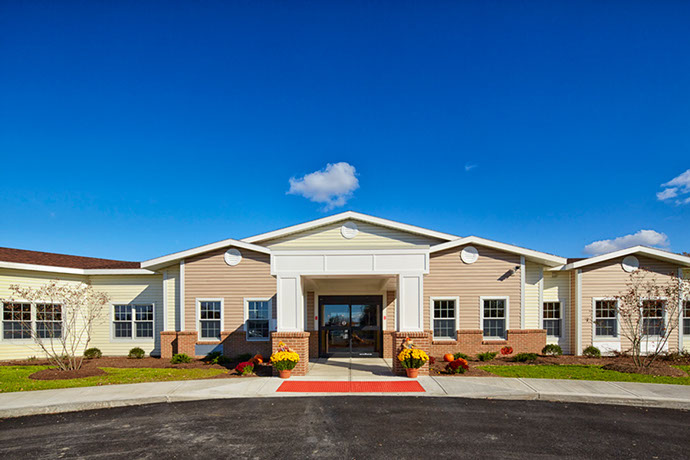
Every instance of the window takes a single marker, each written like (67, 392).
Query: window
(653, 317)
(551, 314)
(258, 315)
(133, 321)
(686, 317)
(16, 321)
(605, 322)
(444, 318)
(209, 319)
(494, 318)
(48, 320)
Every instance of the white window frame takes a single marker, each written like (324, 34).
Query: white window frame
(246, 318)
(683, 316)
(605, 338)
(33, 321)
(198, 318)
(134, 337)
(562, 328)
(481, 316)
(454, 299)
(664, 319)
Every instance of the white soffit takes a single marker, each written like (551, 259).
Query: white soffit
(644, 250)
(159, 262)
(541, 257)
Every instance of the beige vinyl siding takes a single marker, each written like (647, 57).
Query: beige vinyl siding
(607, 279)
(21, 349)
(126, 290)
(532, 280)
(686, 338)
(488, 276)
(172, 292)
(557, 288)
(208, 276)
(369, 237)
(122, 289)
(573, 313)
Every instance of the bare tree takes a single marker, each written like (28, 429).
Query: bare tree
(63, 320)
(648, 310)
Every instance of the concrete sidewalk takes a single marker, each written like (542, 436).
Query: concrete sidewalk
(76, 399)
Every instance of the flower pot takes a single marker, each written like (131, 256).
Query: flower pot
(412, 373)
(285, 374)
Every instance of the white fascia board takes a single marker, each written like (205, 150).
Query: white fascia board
(651, 252)
(162, 261)
(548, 259)
(349, 215)
(76, 271)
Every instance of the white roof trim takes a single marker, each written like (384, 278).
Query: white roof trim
(548, 259)
(652, 252)
(76, 271)
(349, 215)
(164, 260)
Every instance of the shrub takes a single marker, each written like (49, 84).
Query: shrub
(591, 352)
(244, 357)
(458, 366)
(136, 353)
(245, 368)
(486, 356)
(525, 357)
(32, 358)
(507, 350)
(180, 358)
(674, 356)
(552, 349)
(223, 360)
(460, 355)
(213, 357)
(91, 353)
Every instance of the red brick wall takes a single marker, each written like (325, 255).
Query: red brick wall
(168, 344)
(313, 345)
(299, 342)
(388, 343)
(235, 343)
(471, 342)
(421, 340)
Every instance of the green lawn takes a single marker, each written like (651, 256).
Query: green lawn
(16, 378)
(576, 372)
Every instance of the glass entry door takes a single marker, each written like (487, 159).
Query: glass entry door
(350, 326)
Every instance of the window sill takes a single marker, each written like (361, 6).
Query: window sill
(267, 339)
(494, 340)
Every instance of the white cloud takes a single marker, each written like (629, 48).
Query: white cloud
(679, 185)
(643, 237)
(332, 186)
(469, 167)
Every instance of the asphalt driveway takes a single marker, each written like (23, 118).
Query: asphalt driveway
(351, 428)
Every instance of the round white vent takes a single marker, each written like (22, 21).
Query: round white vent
(232, 257)
(349, 230)
(469, 255)
(630, 264)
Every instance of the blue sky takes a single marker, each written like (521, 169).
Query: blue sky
(134, 129)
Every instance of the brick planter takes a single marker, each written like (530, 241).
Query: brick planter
(299, 342)
(421, 340)
(173, 342)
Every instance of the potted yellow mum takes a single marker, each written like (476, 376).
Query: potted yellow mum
(284, 360)
(412, 359)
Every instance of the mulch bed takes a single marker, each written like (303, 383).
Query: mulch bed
(57, 374)
(614, 363)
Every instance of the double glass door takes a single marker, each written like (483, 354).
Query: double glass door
(350, 326)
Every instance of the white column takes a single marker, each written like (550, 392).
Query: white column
(410, 303)
(290, 309)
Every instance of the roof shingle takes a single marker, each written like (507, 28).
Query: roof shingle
(24, 256)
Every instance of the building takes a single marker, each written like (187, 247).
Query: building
(346, 284)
